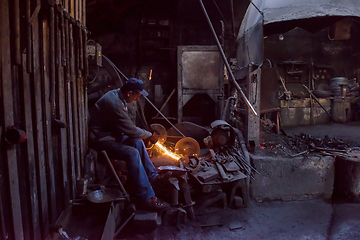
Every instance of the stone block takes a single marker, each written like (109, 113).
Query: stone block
(238, 201)
(147, 220)
(286, 178)
(174, 217)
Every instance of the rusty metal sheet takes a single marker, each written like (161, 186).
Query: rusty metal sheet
(301, 116)
(200, 71)
(39, 120)
(277, 16)
(9, 154)
(287, 10)
(47, 110)
(304, 103)
(30, 147)
(280, 10)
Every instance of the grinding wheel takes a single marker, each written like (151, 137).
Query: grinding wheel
(160, 131)
(188, 147)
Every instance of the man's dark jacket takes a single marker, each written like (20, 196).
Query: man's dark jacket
(110, 119)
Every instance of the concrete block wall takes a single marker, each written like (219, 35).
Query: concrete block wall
(285, 178)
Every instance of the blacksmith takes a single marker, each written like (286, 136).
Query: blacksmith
(112, 130)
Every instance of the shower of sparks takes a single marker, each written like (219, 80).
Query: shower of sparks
(167, 152)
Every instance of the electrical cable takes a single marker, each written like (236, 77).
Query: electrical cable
(96, 75)
(262, 14)
(113, 65)
(219, 11)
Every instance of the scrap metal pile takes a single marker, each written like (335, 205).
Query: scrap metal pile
(227, 165)
(219, 172)
(325, 146)
(303, 144)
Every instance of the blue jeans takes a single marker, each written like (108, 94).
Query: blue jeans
(140, 168)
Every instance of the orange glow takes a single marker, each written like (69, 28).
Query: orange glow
(167, 152)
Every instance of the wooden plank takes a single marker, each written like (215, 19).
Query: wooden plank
(62, 29)
(77, 48)
(67, 52)
(20, 153)
(15, 16)
(253, 126)
(86, 66)
(77, 9)
(83, 93)
(8, 119)
(47, 115)
(74, 103)
(61, 113)
(57, 146)
(4, 212)
(72, 8)
(85, 117)
(81, 47)
(66, 5)
(82, 121)
(83, 12)
(38, 123)
(79, 13)
(28, 37)
(69, 109)
(31, 164)
(52, 59)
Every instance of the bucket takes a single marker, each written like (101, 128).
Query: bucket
(335, 85)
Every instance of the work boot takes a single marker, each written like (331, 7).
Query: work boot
(160, 181)
(155, 204)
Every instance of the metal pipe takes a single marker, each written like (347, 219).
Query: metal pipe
(122, 188)
(164, 116)
(124, 224)
(227, 63)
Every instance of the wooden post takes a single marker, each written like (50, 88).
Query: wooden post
(75, 104)
(253, 122)
(69, 109)
(60, 111)
(6, 101)
(16, 31)
(28, 38)
(30, 147)
(52, 60)
(63, 51)
(38, 123)
(81, 47)
(46, 75)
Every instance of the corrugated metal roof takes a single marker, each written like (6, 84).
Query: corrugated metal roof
(266, 17)
(276, 11)
(287, 10)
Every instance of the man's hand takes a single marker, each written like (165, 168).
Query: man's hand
(154, 138)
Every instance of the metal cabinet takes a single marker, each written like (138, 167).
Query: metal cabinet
(200, 71)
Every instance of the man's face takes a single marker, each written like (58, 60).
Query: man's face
(132, 96)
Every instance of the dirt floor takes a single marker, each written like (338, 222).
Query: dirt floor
(316, 219)
(295, 220)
